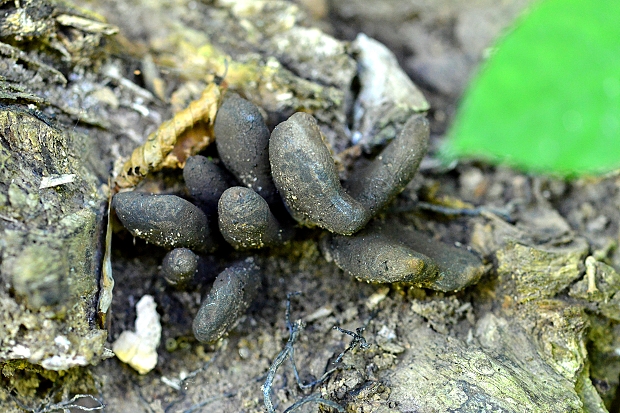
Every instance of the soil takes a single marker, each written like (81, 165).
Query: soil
(440, 44)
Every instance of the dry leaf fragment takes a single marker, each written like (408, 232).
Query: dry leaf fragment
(160, 150)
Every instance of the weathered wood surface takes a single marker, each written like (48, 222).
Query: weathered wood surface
(502, 345)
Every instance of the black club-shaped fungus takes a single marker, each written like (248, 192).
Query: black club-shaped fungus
(164, 220)
(378, 259)
(390, 172)
(179, 266)
(231, 295)
(242, 140)
(205, 181)
(246, 222)
(305, 174)
(393, 253)
(458, 267)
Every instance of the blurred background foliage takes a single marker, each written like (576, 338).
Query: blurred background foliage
(548, 97)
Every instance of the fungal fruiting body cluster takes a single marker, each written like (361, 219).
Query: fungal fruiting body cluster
(292, 165)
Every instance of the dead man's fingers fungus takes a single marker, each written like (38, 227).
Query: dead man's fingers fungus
(242, 140)
(232, 293)
(245, 220)
(388, 174)
(164, 220)
(305, 174)
(179, 266)
(205, 181)
(378, 259)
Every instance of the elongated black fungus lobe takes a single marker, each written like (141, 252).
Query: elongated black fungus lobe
(164, 220)
(231, 295)
(458, 267)
(305, 174)
(242, 140)
(378, 259)
(388, 174)
(390, 252)
(179, 266)
(245, 220)
(205, 181)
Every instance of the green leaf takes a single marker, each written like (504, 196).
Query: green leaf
(548, 100)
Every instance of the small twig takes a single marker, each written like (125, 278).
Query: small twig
(440, 209)
(591, 275)
(314, 398)
(64, 405)
(218, 80)
(141, 396)
(7, 218)
(191, 375)
(212, 399)
(287, 313)
(208, 401)
(291, 351)
(293, 329)
(313, 383)
(205, 366)
(20, 404)
(68, 404)
(288, 352)
(358, 340)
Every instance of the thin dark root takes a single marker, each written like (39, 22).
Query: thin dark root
(288, 352)
(314, 398)
(63, 405)
(358, 340)
(219, 79)
(440, 209)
